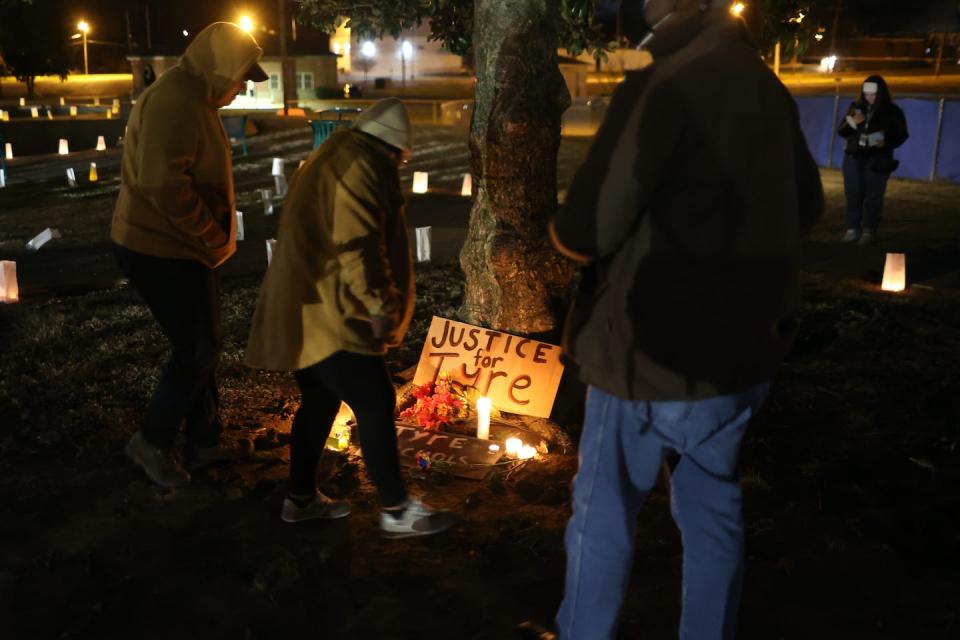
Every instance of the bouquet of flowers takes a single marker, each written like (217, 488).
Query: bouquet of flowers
(438, 403)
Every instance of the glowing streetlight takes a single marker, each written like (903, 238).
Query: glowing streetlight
(84, 28)
(737, 8)
(406, 52)
(368, 49)
(246, 23)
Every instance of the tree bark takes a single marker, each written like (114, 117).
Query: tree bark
(515, 281)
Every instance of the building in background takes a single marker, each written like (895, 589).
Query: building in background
(308, 51)
(392, 60)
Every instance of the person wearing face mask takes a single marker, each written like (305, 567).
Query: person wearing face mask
(873, 127)
(688, 215)
(338, 293)
(173, 226)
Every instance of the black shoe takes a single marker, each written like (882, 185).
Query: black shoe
(533, 631)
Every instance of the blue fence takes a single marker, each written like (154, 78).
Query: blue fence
(931, 153)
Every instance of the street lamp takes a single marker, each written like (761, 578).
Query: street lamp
(406, 51)
(368, 51)
(246, 23)
(738, 8)
(84, 27)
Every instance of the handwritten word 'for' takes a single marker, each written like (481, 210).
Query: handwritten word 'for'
(484, 360)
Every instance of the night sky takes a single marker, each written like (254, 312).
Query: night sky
(858, 17)
(170, 17)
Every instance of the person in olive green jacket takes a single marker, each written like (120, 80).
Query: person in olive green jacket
(338, 293)
(173, 226)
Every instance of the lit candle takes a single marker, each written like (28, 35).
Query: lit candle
(73, 111)
(93, 172)
(420, 181)
(483, 418)
(527, 452)
(467, 189)
(513, 446)
(64, 147)
(101, 143)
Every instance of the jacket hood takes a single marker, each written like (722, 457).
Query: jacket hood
(672, 34)
(221, 54)
(387, 120)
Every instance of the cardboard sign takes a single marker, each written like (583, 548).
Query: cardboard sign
(519, 375)
(461, 455)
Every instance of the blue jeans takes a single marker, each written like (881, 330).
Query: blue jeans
(622, 449)
(865, 190)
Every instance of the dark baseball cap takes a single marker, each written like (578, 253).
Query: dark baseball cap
(256, 74)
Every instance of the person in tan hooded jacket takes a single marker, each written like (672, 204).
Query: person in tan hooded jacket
(173, 226)
(338, 293)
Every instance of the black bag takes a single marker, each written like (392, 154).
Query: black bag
(884, 164)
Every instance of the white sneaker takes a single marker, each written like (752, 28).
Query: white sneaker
(415, 520)
(852, 235)
(320, 508)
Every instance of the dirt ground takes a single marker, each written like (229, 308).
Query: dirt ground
(850, 472)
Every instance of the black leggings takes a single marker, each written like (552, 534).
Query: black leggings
(184, 297)
(364, 384)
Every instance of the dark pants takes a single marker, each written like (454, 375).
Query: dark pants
(184, 297)
(865, 189)
(364, 384)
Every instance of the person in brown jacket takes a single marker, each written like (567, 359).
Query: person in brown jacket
(173, 226)
(338, 293)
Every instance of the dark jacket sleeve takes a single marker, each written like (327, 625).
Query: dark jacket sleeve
(578, 214)
(897, 132)
(845, 129)
(622, 173)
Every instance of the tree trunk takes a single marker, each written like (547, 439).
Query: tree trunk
(515, 280)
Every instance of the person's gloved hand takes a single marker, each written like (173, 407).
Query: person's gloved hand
(382, 326)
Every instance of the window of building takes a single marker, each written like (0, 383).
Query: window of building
(274, 81)
(305, 80)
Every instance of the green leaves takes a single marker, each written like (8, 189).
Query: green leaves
(578, 30)
(451, 21)
(791, 22)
